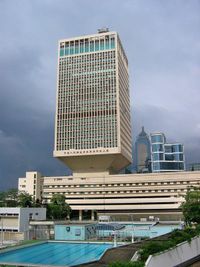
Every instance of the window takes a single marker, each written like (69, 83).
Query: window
(157, 147)
(157, 139)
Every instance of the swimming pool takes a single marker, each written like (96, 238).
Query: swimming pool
(55, 253)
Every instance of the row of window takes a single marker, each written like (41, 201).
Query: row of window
(170, 157)
(85, 47)
(120, 184)
(119, 192)
(167, 148)
(167, 165)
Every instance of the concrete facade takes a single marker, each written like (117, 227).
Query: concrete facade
(75, 232)
(143, 195)
(176, 256)
(31, 184)
(93, 124)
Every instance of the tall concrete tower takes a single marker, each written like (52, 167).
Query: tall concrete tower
(93, 124)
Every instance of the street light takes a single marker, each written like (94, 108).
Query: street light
(2, 231)
(132, 235)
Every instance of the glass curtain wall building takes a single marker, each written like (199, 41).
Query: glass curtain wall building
(164, 156)
(93, 124)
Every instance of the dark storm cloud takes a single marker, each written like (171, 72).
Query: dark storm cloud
(162, 42)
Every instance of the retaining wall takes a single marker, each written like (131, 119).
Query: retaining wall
(175, 256)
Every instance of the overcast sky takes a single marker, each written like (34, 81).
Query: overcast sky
(161, 39)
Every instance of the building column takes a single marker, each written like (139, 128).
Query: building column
(92, 215)
(80, 215)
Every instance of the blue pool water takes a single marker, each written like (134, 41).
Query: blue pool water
(53, 253)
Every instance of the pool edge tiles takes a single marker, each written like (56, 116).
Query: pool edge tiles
(54, 254)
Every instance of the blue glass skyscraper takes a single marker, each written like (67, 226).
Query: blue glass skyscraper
(165, 156)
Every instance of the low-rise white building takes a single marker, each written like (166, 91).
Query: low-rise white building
(157, 195)
(31, 184)
(17, 219)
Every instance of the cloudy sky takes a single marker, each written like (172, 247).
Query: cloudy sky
(161, 39)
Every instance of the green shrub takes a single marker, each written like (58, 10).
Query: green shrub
(150, 248)
(153, 247)
(179, 236)
(176, 237)
(127, 264)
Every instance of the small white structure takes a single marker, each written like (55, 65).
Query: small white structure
(17, 219)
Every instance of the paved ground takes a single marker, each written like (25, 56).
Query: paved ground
(123, 253)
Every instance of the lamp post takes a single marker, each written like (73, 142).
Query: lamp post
(132, 235)
(2, 231)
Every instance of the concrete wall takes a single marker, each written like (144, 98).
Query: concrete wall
(27, 214)
(173, 257)
(73, 232)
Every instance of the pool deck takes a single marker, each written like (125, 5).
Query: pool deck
(122, 253)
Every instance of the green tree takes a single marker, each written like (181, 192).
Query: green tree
(58, 209)
(25, 200)
(191, 206)
(9, 198)
(2, 199)
(38, 203)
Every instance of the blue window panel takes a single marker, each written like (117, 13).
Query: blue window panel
(101, 45)
(71, 50)
(107, 45)
(157, 138)
(169, 157)
(81, 48)
(177, 148)
(168, 149)
(112, 44)
(157, 156)
(157, 148)
(61, 52)
(66, 51)
(178, 157)
(76, 49)
(96, 45)
(156, 166)
(92, 47)
(86, 48)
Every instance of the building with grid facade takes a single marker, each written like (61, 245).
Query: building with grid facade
(93, 124)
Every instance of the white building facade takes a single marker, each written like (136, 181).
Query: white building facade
(93, 124)
(141, 195)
